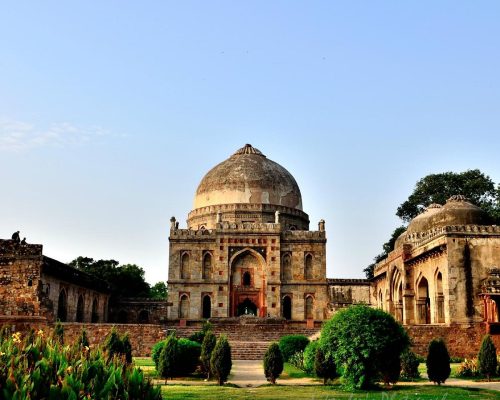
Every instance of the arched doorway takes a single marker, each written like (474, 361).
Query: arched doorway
(185, 266)
(309, 308)
(122, 317)
(308, 267)
(287, 307)
(423, 302)
(247, 307)
(207, 266)
(287, 267)
(207, 307)
(439, 298)
(248, 284)
(95, 312)
(184, 307)
(80, 309)
(62, 306)
(143, 317)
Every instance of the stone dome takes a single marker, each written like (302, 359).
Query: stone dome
(248, 176)
(457, 211)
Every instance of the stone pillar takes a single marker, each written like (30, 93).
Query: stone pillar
(321, 225)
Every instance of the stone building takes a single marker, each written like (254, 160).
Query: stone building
(444, 269)
(247, 248)
(34, 287)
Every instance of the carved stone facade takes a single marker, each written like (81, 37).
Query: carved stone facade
(442, 270)
(248, 248)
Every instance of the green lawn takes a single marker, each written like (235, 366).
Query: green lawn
(323, 392)
(289, 371)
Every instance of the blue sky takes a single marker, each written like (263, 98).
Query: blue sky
(111, 112)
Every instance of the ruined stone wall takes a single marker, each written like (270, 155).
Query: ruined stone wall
(138, 311)
(461, 340)
(345, 292)
(20, 268)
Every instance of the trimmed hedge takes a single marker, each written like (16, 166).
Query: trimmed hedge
(187, 356)
(291, 344)
(310, 355)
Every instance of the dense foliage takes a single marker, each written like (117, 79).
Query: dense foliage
(207, 348)
(117, 345)
(220, 361)
(438, 362)
(123, 279)
(291, 344)
(34, 367)
(487, 357)
(273, 363)
(366, 343)
(168, 357)
(181, 359)
(324, 366)
(200, 335)
(409, 365)
(310, 356)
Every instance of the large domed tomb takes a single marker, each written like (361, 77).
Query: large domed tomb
(248, 187)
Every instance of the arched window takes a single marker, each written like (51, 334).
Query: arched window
(123, 317)
(185, 266)
(423, 302)
(184, 307)
(308, 267)
(62, 306)
(380, 300)
(207, 307)
(80, 309)
(143, 317)
(439, 298)
(287, 267)
(287, 307)
(95, 310)
(309, 309)
(247, 279)
(207, 266)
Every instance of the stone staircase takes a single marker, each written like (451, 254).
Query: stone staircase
(249, 340)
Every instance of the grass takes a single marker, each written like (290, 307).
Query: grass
(278, 392)
(291, 372)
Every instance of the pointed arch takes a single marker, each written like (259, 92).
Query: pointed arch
(184, 306)
(439, 301)
(309, 307)
(62, 306)
(286, 307)
(206, 307)
(95, 310)
(185, 265)
(308, 266)
(80, 308)
(207, 266)
(286, 266)
(143, 317)
(423, 301)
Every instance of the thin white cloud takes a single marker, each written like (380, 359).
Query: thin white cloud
(18, 135)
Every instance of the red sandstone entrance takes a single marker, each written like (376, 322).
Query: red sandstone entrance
(247, 296)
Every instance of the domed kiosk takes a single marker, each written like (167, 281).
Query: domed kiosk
(247, 249)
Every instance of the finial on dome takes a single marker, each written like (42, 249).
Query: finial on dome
(458, 198)
(248, 149)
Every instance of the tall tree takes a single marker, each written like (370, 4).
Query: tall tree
(159, 291)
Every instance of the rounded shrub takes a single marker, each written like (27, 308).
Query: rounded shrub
(409, 365)
(364, 342)
(291, 344)
(188, 357)
(156, 350)
(310, 355)
(487, 357)
(273, 363)
(207, 348)
(168, 357)
(324, 366)
(220, 361)
(438, 362)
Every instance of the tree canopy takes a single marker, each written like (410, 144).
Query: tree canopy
(437, 188)
(126, 280)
